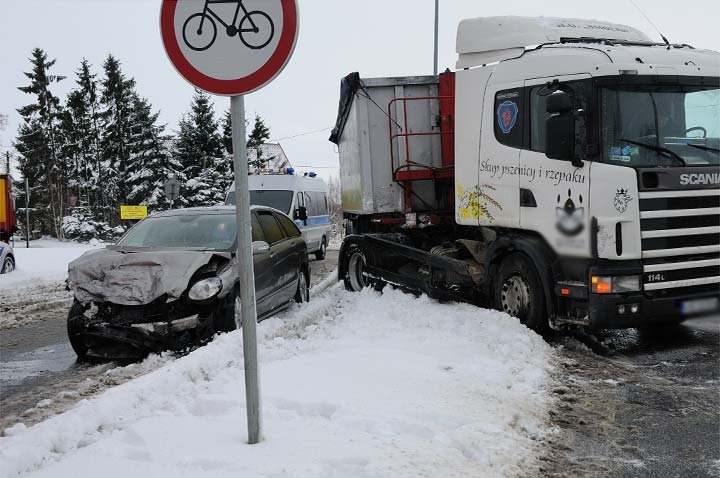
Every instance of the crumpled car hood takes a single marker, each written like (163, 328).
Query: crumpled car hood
(133, 278)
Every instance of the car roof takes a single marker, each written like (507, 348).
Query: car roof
(210, 210)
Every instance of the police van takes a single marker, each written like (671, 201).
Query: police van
(302, 197)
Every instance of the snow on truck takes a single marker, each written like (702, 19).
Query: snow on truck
(567, 173)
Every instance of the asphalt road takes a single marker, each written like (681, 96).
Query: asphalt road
(39, 374)
(643, 404)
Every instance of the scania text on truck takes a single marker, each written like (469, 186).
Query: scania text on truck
(567, 173)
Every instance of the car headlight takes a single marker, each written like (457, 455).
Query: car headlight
(615, 284)
(205, 289)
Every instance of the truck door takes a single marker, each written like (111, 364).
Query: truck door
(500, 142)
(554, 194)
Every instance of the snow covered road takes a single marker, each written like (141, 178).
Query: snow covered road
(352, 385)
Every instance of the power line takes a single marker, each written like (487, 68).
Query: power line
(301, 134)
(315, 167)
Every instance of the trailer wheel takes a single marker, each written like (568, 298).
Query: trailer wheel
(75, 330)
(356, 279)
(518, 291)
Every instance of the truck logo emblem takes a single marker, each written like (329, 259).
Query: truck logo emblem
(507, 114)
(570, 218)
(622, 198)
(706, 178)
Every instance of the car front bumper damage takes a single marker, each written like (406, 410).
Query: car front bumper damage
(116, 332)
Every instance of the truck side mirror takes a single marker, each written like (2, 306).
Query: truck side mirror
(301, 213)
(560, 128)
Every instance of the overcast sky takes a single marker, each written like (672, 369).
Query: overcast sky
(374, 37)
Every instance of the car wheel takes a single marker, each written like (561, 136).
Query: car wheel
(518, 292)
(320, 253)
(302, 294)
(8, 265)
(76, 330)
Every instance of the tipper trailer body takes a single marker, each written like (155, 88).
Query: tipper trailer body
(568, 173)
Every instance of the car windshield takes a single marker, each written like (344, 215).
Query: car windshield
(669, 126)
(212, 232)
(279, 200)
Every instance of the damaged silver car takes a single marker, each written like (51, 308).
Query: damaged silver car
(171, 282)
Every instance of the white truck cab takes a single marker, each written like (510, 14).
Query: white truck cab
(572, 165)
(302, 197)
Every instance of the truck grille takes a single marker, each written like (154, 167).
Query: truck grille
(680, 241)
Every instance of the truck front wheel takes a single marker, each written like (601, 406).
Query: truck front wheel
(518, 291)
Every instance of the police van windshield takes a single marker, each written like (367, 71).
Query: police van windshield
(280, 200)
(668, 126)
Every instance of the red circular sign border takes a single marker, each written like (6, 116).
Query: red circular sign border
(264, 75)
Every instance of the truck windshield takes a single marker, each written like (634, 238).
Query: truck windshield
(214, 232)
(280, 200)
(668, 126)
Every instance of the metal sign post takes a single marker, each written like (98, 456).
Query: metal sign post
(172, 190)
(247, 315)
(247, 53)
(27, 213)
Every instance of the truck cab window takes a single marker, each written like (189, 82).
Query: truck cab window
(538, 116)
(580, 94)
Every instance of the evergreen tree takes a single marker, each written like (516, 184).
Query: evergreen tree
(258, 136)
(150, 163)
(117, 97)
(199, 148)
(81, 132)
(227, 133)
(39, 143)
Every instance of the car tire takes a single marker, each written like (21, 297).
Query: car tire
(302, 294)
(320, 253)
(518, 291)
(76, 329)
(8, 265)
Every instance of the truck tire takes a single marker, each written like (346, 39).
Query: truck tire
(518, 291)
(75, 329)
(355, 279)
(320, 253)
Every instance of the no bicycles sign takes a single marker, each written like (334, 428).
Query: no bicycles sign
(229, 47)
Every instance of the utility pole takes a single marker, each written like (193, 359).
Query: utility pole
(437, 23)
(27, 213)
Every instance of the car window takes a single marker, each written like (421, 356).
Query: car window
(257, 232)
(291, 229)
(271, 228)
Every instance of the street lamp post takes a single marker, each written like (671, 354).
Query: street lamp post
(437, 21)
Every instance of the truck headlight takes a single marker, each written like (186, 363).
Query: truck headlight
(615, 284)
(205, 289)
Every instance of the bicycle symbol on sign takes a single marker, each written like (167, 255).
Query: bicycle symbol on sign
(255, 29)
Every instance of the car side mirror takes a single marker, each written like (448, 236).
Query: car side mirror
(560, 128)
(260, 247)
(301, 213)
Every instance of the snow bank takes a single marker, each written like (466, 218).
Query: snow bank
(46, 263)
(352, 385)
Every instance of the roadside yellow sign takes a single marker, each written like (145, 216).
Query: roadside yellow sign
(133, 212)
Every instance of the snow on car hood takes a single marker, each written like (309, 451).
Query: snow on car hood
(133, 278)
